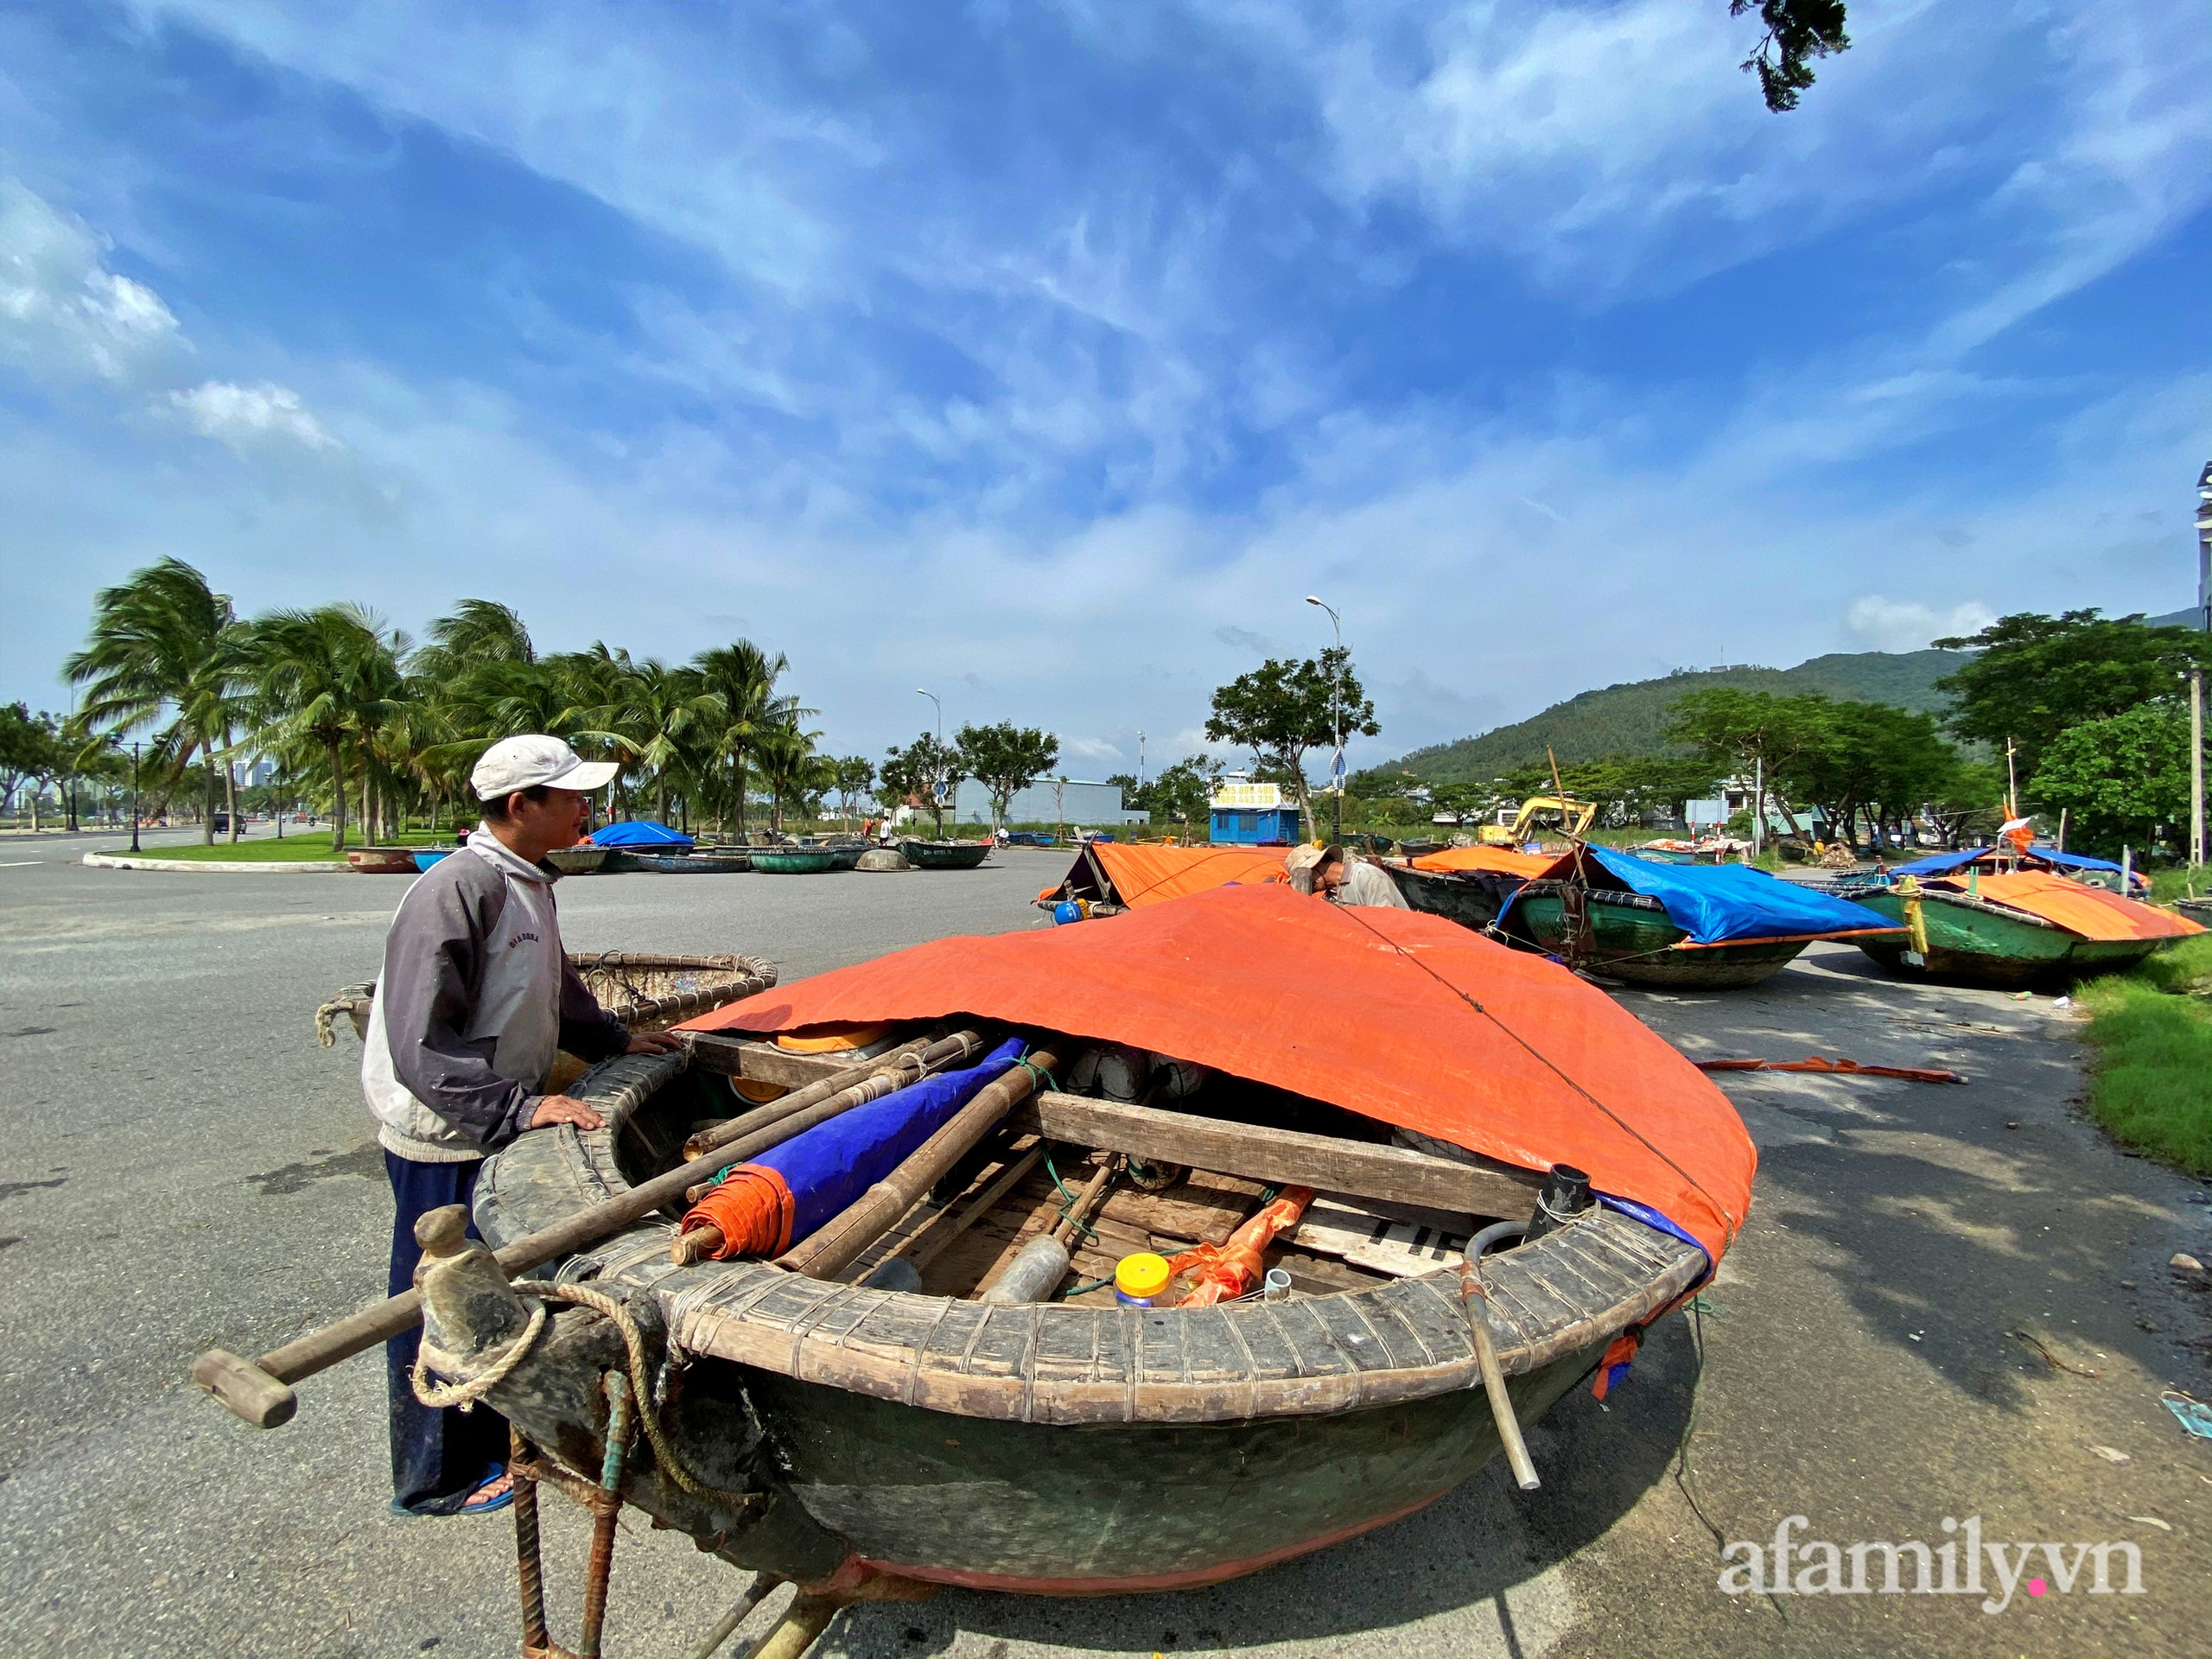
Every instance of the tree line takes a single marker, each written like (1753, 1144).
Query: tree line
(374, 726)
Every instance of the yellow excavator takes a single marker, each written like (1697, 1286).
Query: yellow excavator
(1574, 817)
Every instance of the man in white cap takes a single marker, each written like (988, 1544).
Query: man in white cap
(1325, 873)
(476, 999)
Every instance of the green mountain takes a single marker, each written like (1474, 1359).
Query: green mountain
(1630, 719)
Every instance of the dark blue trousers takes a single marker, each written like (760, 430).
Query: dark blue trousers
(438, 1457)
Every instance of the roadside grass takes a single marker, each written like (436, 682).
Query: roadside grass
(2180, 882)
(300, 846)
(2151, 1032)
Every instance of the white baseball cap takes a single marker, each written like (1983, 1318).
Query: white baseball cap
(516, 763)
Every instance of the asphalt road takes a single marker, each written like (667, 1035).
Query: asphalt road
(180, 1166)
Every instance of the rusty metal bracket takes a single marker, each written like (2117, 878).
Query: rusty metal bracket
(603, 1499)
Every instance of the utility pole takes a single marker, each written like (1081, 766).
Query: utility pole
(2197, 675)
(1336, 721)
(1140, 759)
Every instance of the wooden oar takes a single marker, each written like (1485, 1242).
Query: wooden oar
(260, 1390)
(776, 1110)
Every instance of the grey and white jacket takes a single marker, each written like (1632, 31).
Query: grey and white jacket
(476, 998)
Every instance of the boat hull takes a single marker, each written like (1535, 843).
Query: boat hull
(678, 863)
(585, 860)
(1117, 1509)
(1638, 944)
(1982, 945)
(1471, 900)
(945, 855)
(794, 860)
(381, 860)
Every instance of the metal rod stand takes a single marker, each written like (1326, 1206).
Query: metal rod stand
(603, 1499)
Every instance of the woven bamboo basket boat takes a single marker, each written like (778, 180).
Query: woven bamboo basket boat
(644, 990)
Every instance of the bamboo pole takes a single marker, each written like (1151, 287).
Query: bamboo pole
(838, 1244)
(260, 1390)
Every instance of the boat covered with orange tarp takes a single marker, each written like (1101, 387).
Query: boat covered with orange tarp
(872, 1414)
(2018, 928)
(1402, 1017)
(2090, 911)
(1108, 875)
(1501, 860)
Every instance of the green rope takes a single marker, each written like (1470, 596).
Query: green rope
(1083, 1286)
(1037, 1074)
(1068, 1200)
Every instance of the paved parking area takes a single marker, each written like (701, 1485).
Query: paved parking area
(180, 1166)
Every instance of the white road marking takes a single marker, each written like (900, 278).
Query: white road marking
(22, 863)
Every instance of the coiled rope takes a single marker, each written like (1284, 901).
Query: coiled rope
(671, 1461)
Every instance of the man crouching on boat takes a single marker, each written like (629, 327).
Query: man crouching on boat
(1325, 873)
(475, 999)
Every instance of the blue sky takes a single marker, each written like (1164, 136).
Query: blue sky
(1046, 355)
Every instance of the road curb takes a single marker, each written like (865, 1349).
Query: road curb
(221, 867)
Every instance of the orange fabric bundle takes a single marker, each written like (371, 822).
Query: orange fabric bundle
(1225, 1272)
(1502, 859)
(753, 1209)
(2091, 912)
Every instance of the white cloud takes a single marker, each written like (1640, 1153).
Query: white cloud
(63, 315)
(1884, 624)
(250, 416)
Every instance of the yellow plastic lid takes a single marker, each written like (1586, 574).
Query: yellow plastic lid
(829, 1040)
(1143, 1275)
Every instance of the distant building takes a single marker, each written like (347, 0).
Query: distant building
(1046, 802)
(1245, 814)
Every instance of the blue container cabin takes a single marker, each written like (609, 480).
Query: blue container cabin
(1249, 826)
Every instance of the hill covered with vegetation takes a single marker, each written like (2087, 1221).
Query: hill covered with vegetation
(1630, 719)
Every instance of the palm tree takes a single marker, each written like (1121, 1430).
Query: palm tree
(741, 680)
(324, 678)
(163, 643)
(794, 770)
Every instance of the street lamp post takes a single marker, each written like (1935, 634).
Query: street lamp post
(134, 798)
(1336, 721)
(936, 782)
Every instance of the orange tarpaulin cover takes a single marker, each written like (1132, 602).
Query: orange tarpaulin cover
(2091, 912)
(1405, 1018)
(1147, 875)
(1503, 859)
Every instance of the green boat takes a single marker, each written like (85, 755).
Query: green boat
(793, 861)
(944, 854)
(625, 861)
(1970, 938)
(849, 1434)
(1627, 935)
(1471, 898)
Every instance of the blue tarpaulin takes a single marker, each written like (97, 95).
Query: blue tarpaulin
(831, 1165)
(1721, 904)
(639, 832)
(1944, 863)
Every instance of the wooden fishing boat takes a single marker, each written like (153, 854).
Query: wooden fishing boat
(582, 859)
(1471, 898)
(944, 854)
(1628, 936)
(862, 1434)
(425, 857)
(645, 990)
(795, 861)
(869, 1406)
(381, 860)
(627, 859)
(1977, 930)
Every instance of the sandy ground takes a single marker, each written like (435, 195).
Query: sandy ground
(180, 1166)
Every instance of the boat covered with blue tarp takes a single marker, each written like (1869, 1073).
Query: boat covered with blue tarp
(643, 834)
(2038, 857)
(1690, 924)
